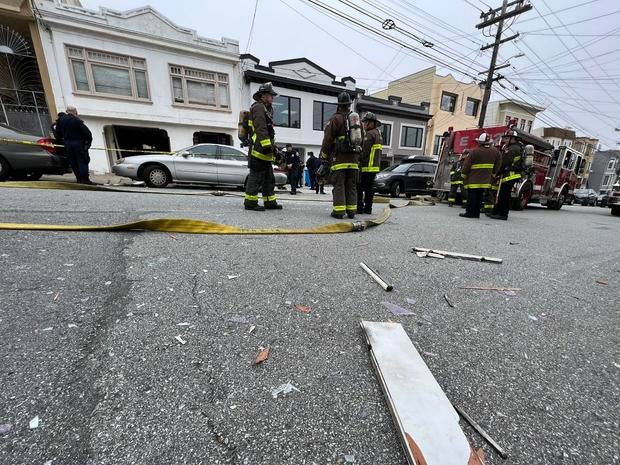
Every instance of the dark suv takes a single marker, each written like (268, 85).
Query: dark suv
(412, 176)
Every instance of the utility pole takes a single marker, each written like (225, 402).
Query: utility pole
(488, 19)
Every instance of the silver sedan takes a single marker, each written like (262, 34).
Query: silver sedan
(213, 164)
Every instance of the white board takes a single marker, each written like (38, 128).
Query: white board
(419, 406)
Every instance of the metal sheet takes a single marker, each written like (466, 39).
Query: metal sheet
(419, 406)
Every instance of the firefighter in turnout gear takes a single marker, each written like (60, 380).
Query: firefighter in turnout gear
(370, 163)
(261, 152)
(456, 181)
(339, 150)
(508, 172)
(477, 172)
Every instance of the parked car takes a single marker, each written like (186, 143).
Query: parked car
(602, 199)
(614, 199)
(28, 161)
(585, 196)
(414, 176)
(212, 164)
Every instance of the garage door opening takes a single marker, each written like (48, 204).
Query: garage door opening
(201, 137)
(135, 140)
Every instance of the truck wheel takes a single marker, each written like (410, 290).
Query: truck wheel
(5, 169)
(556, 205)
(395, 189)
(156, 176)
(615, 210)
(525, 195)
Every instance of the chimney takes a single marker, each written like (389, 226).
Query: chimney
(394, 99)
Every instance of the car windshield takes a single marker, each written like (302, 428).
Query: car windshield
(390, 168)
(581, 191)
(402, 168)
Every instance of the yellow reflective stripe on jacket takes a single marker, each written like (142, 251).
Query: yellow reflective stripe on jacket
(456, 182)
(516, 159)
(373, 151)
(345, 166)
(370, 169)
(265, 142)
(478, 186)
(262, 156)
(482, 166)
(511, 175)
(339, 137)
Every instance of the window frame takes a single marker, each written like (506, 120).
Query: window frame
(416, 126)
(391, 123)
(476, 103)
(131, 68)
(611, 164)
(200, 155)
(451, 95)
(221, 149)
(322, 113)
(437, 138)
(289, 113)
(530, 123)
(184, 78)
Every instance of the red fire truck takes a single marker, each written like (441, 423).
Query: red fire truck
(551, 174)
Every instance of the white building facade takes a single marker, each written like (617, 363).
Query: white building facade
(307, 96)
(139, 81)
(501, 112)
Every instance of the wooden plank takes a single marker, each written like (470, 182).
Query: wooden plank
(427, 423)
(463, 256)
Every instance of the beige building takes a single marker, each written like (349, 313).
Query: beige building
(500, 112)
(452, 103)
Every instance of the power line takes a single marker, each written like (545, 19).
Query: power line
(247, 47)
(571, 24)
(560, 11)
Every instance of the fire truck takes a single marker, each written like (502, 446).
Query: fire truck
(550, 178)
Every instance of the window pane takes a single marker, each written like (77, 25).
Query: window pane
(471, 107)
(79, 73)
(224, 96)
(201, 92)
(204, 151)
(328, 111)
(111, 80)
(448, 102)
(141, 86)
(317, 116)
(411, 137)
(177, 89)
(386, 133)
(231, 153)
(280, 111)
(295, 113)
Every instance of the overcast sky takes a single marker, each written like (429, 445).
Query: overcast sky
(586, 99)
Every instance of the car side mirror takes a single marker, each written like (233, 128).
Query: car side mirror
(185, 154)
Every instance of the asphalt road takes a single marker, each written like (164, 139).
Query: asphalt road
(88, 324)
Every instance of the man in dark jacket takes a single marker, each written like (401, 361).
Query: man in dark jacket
(370, 163)
(77, 140)
(311, 170)
(478, 174)
(507, 173)
(261, 152)
(293, 162)
(343, 160)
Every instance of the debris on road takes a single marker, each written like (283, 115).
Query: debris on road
(252, 328)
(181, 340)
(5, 428)
(481, 432)
(510, 293)
(173, 236)
(411, 300)
(283, 389)
(435, 255)
(349, 458)
(423, 415)
(514, 243)
(532, 317)
(263, 355)
(72, 325)
(376, 277)
(183, 324)
(68, 264)
(302, 308)
(501, 289)
(239, 320)
(49, 328)
(34, 423)
(107, 283)
(604, 282)
(421, 254)
(463, 256)
(56, 296)
(450, 304)
(233, 276)
(396, 310)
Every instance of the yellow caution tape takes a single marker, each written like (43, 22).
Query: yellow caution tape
(50, 144)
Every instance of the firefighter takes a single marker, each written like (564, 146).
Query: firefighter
(370, 162)
(261, 152)
(456, 180)
(343, 159)
(508, 172)
(478, 173)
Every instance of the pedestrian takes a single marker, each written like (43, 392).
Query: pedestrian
(293, 162)
(262, 151)
(478, 173)
(60, 150)
(77, 140)
(370, 162)
(341, 151)
(311, 170)
(508, 172)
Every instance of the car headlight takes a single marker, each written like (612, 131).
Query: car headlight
(120, 160)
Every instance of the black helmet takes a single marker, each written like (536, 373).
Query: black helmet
(370, 116)
(344, 98)
(266, 88)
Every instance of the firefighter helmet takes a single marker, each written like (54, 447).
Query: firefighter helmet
(370, 116)
(484, 138)
(344, 98)
(266, 88)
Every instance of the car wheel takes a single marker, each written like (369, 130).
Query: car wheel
(615, 210)
(395, 190)
(5, 169)
(156, 176)
(525, 194)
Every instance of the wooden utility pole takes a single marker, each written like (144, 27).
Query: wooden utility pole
(488, 19)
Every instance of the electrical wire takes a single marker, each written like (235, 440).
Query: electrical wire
(571, 24)
(247, 47)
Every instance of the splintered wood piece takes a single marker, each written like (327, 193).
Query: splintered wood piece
(262, 355)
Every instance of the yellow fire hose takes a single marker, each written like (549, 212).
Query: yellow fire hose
(192, 226)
